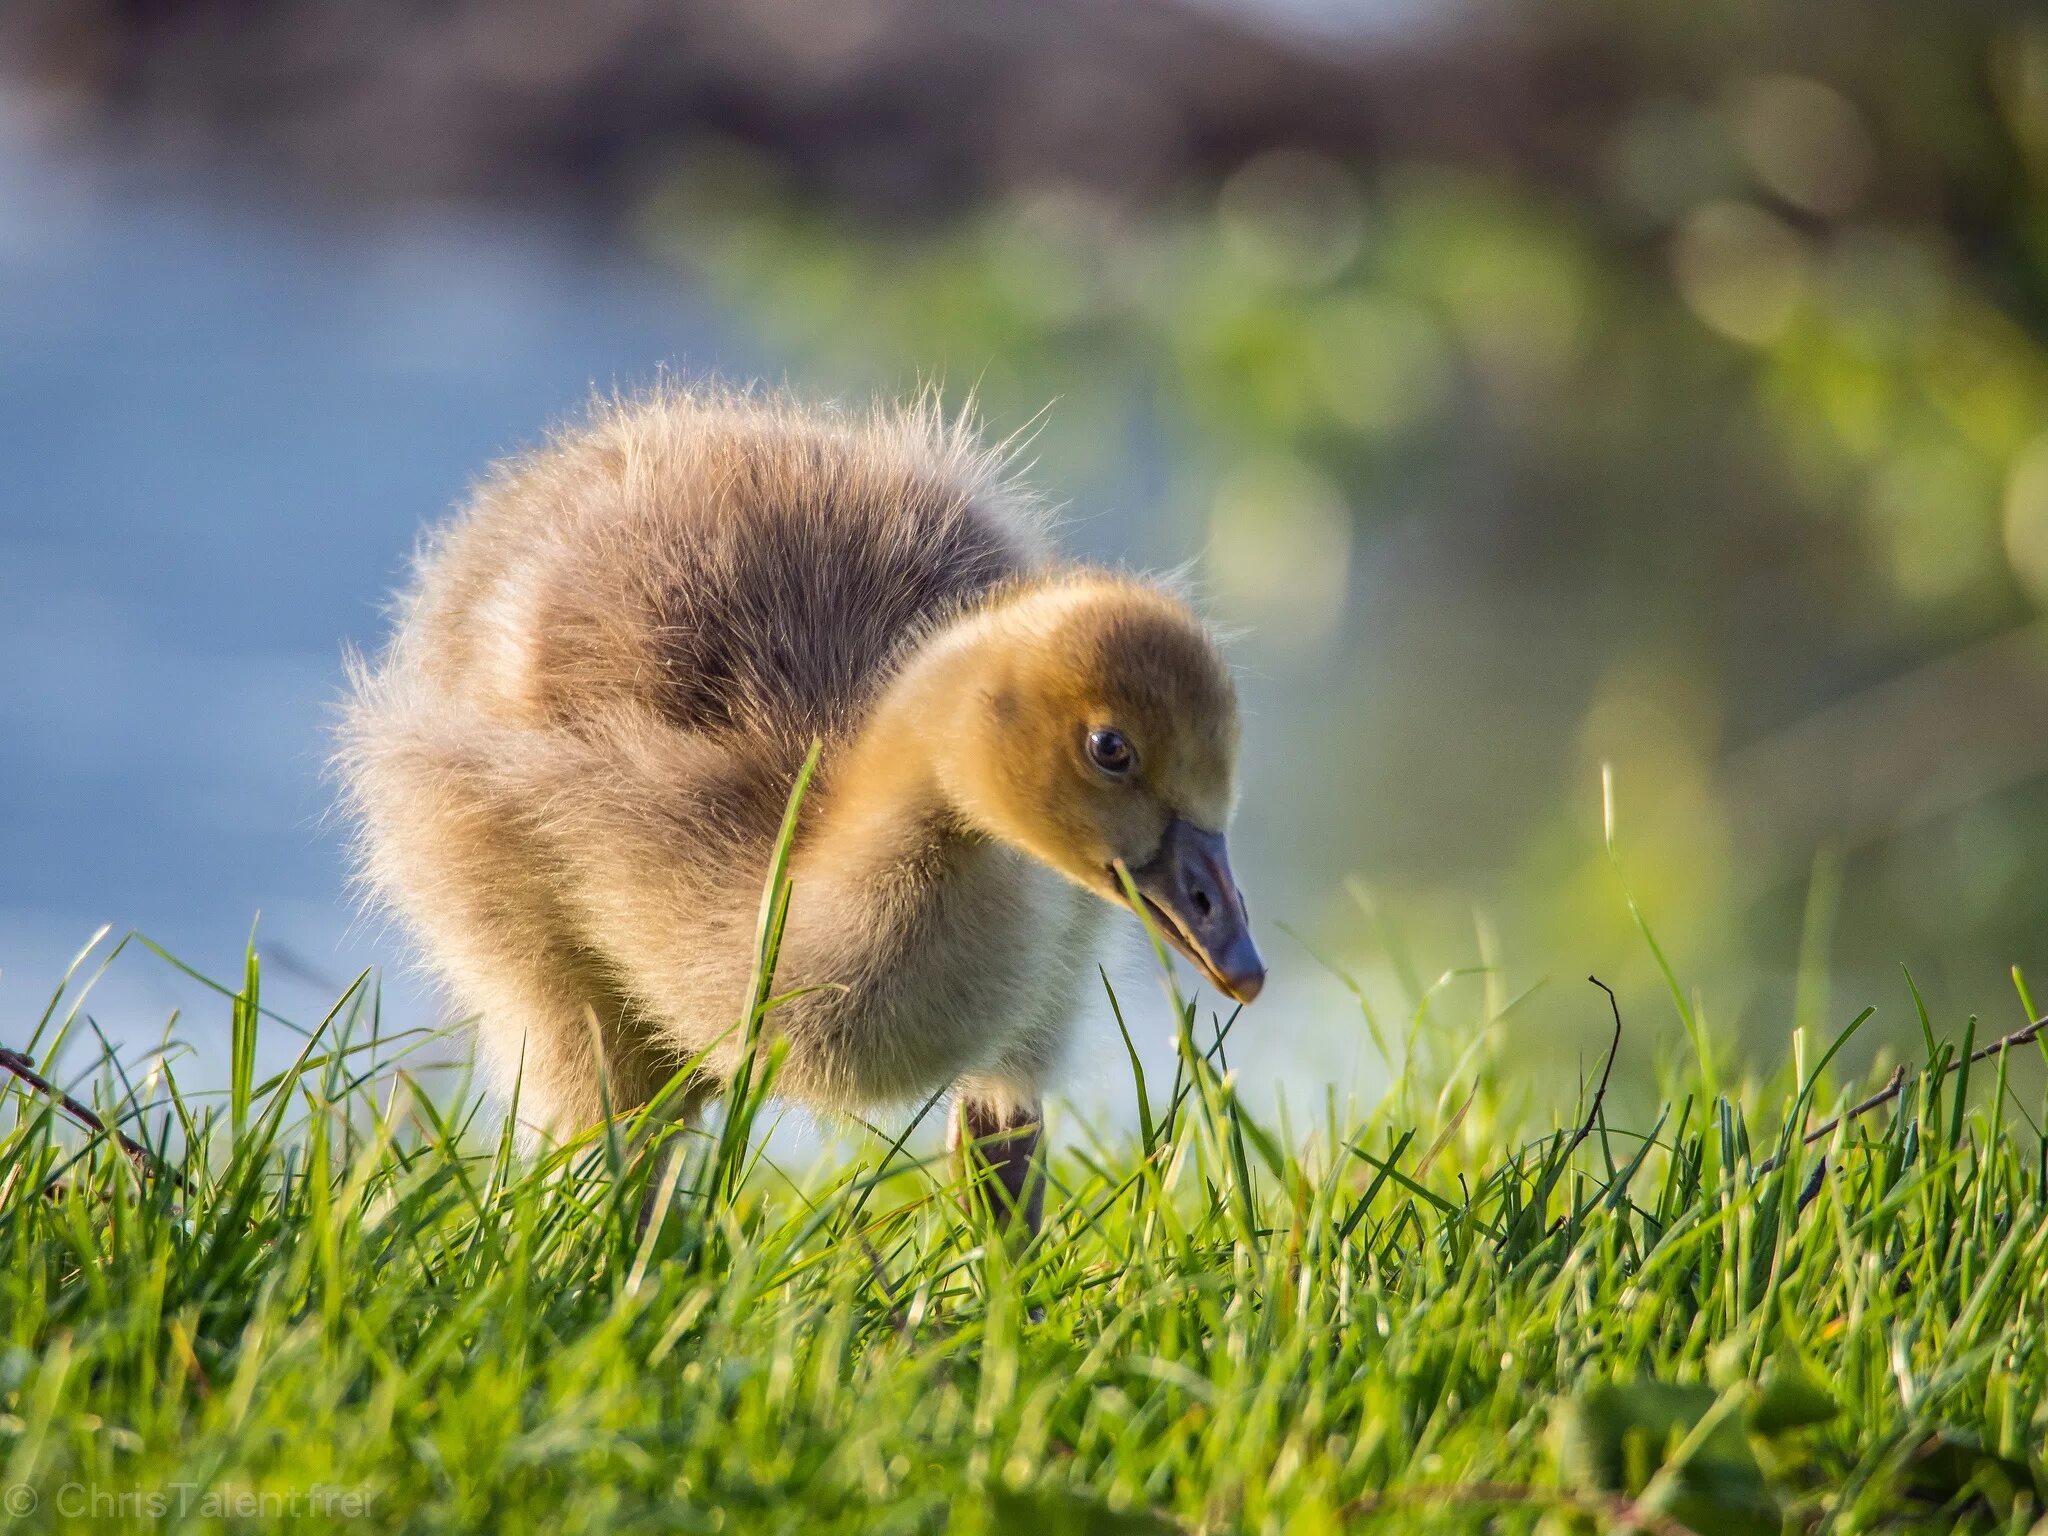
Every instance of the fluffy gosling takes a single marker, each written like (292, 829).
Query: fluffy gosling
(571, 763)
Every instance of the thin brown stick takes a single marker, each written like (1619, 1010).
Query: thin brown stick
(1625, 1514)
(1897, 1086)
(1599, 1094)
(145, 1161)
(1585, 1126)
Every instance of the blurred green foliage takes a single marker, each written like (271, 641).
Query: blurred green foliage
(1717, 452)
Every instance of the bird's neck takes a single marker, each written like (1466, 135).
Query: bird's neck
(886, 805)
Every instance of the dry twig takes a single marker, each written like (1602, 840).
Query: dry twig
(1599, 1094)
(146, 1162)
(1897, 1085)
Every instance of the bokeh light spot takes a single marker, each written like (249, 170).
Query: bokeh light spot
(1292, 217)
(1740, 270)
(1805, 141)
(2026, 518)
(1280, 550)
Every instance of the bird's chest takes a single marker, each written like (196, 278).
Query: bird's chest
(981, 966)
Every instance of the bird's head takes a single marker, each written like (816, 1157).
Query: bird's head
(1102, 730)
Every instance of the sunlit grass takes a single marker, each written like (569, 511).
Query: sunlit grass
(336, 1284)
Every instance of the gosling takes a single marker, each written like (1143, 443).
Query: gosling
(570, 766)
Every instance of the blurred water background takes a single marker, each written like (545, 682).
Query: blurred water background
(1591, 389)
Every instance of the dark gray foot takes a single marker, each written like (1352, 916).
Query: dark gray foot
(999, 1143)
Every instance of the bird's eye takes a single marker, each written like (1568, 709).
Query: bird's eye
(1111, 751)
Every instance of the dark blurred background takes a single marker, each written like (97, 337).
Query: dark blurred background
(1659, 387)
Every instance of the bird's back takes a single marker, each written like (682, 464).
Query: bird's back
(734, 566)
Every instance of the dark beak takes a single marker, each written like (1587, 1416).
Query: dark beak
(1189, 894)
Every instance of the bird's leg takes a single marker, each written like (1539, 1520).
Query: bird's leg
(996, 1141)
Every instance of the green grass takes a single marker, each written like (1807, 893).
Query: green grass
(331, 1291)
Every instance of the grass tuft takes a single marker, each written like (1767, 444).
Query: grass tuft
(335, 1287)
